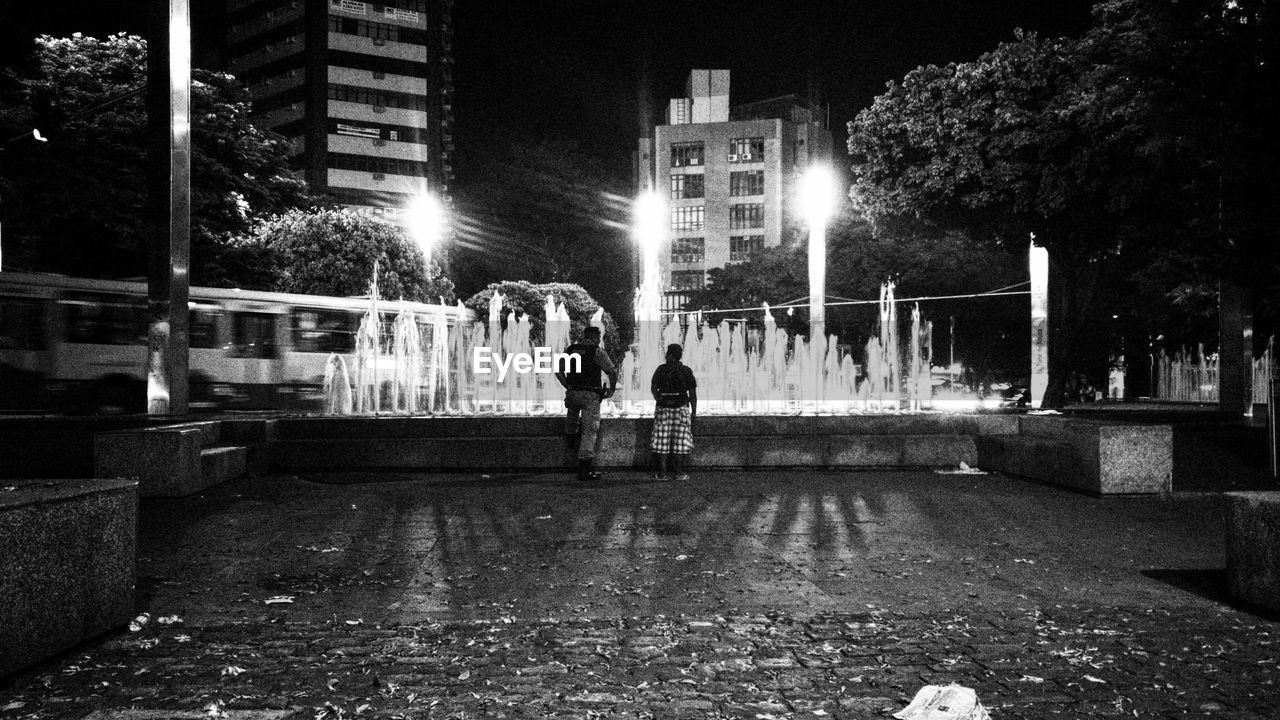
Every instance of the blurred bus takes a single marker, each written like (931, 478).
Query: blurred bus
(76, 345)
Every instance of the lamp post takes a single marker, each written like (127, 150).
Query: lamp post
(33, 133)
(426, 223)
(650, 215)
(817, 200)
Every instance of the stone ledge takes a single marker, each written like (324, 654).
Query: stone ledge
(171, 460)
(1100, 458)
(624, 447)
(350, 428)
(68, 564)
(1253, 547)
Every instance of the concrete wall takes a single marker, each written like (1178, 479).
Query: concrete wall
(537, 443)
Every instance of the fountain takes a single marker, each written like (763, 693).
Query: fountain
(421, 364)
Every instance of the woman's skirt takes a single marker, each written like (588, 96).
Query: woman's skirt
(672, 431)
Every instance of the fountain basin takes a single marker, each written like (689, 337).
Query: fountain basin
(908, 440)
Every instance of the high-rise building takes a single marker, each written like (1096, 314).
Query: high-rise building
(362, 89)
(728, 174)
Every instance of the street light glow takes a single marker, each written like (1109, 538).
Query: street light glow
(425, 219)
(650, 218)
(817, 194)
(649, 215)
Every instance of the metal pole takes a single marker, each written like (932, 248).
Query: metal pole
(169, 128)
(817, 281)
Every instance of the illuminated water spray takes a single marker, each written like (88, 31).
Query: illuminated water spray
(740, 369)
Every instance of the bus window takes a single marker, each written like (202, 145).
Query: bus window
(105, 320)
(21, 324)
(323, 331)
(204, 326)
(253, 335)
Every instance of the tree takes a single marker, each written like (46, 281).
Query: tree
(77, 203)
(526, 298)
(333, 252)
(1195, 83)
(1097, 146)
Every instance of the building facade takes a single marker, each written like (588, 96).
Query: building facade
(728, 175)
(363, 90)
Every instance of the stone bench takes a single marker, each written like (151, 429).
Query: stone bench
(183, 459)
(1090, 455)
(67, 569)
(1253, 547)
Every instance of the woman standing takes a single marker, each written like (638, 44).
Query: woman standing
(675, 390)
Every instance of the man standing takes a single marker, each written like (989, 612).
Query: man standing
(582, 397)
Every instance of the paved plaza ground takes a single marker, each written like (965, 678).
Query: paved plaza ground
(792, 594)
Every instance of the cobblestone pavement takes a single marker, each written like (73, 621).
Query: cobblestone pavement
(746, 595)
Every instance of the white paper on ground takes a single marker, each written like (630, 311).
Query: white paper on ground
(944, 702)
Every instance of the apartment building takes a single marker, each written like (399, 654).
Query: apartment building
(362, 89)
(728, 174)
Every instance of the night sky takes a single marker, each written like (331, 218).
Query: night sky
(597, 72)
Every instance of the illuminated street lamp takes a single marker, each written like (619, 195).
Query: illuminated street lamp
(425, 221)
(33, 133)
(650, 223)
(816, 198)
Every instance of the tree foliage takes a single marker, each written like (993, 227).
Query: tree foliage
(77, 203)
(333, 252)
(1113, 149)
(526, 298)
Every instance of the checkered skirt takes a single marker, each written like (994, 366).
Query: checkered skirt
(672, 431)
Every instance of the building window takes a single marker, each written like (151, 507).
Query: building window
(688, 279)
(686, 154)
(377, 165)
(684, 187)
(750, 182)
(746, 215)
(688, 250)
(742, 247)
(746, 149)
(381, 32)
(376, 97)
(687, 218)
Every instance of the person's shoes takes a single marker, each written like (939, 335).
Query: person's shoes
(681, 477)
(658, 477)
(587, 471)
